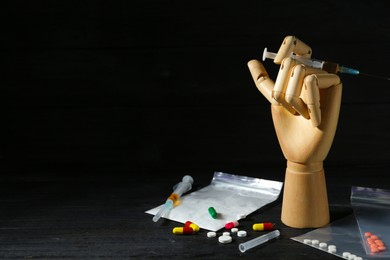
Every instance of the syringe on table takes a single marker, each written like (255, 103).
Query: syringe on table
(178, 190)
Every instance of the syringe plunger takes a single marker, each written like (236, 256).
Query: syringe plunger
(183, 186)
(268, 55)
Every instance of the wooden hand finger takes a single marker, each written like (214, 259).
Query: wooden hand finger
(263, 83)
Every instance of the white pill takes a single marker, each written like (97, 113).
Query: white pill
(315, 242)
(323, 245)
(332, 249)
(226, 234)
(234, 230)
(225, 239)
(241, 233)
(307, 241)
(211, 234)
(358, 258)
(351, 257)
(346, 254)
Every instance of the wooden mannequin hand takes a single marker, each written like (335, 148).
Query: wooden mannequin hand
(305, 105)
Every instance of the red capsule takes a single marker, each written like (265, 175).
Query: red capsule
(192, 225)
(231, 224)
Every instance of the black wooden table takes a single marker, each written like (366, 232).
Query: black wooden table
(106, 219)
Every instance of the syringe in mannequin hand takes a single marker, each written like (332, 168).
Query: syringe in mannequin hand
(330, 67)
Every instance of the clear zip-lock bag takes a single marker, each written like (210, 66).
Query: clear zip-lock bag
(233, 197)
(347, 237)
(341, 238)
(371, 207)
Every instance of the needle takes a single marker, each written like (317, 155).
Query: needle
(374, 76)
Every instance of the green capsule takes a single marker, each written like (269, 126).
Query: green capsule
(213, 213)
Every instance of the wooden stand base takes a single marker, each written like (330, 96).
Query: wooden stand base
(305, 201)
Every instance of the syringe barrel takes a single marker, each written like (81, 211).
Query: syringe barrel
(182, 187)
(165, 208)
(258, 241)
(328, 66)
(318, 64)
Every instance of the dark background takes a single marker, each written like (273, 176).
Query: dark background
(99, 96)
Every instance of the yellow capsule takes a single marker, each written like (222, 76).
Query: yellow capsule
(182, 230)
(263, 226)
